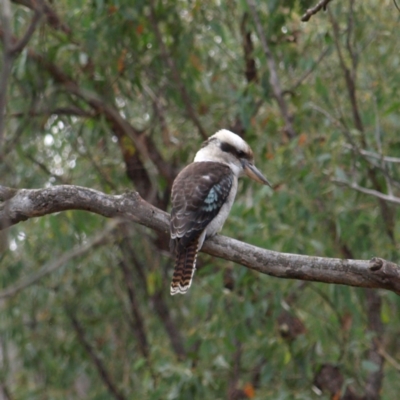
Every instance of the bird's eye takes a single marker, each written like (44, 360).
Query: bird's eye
(241, 154)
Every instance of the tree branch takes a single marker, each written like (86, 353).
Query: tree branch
(60, 261)
(7, 64)
(51, 16)
(26, 204)
(136, 320)
(273, 74)
(350, 76)
(160, 306)
(19, 46)
(375, 326)
(322, 4)
(11, 49)
(308, 72)
(101, 369)
(370, 192)
(176, 76)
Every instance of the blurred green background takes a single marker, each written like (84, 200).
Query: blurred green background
(97, 78)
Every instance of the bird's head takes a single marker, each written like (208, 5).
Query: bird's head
(228, 148)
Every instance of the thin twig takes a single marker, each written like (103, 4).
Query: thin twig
(101, 368)
(312, 11)
(51, 16)
(349, 45)
(172, 328)
(20, 45)
(364, 154)
(176, 76)
(74, 111)
(273, 74)
(374, 379)
(11, 49)
(308, 72)
(136, 318)
(5, 392)
(395, 364)
(370, 192)
(7, 64)
(388, 159)
(53, 265)
(349, 76)
(46, 170)
(383, 165)
(396, 5)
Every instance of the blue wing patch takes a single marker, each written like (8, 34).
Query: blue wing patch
(211, 201)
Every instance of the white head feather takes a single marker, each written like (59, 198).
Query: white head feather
(211, 150)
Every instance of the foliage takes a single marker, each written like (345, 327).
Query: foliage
(144, 61)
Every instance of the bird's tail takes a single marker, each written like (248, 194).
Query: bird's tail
(185, 265)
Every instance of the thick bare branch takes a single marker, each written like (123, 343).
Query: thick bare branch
(26, 204)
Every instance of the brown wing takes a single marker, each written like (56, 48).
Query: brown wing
(198, 194)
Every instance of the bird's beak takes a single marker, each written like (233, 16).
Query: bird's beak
(252, 172)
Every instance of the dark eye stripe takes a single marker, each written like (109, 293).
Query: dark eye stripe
(228, 148)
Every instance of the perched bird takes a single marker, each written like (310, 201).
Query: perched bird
(202, 196)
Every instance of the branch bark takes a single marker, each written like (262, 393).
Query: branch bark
(322, 4)
(24, 204)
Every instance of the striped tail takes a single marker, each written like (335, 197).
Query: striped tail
(185, 265)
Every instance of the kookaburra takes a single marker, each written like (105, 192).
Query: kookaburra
(202, 196)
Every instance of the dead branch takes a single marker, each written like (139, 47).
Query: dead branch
(30, 203)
